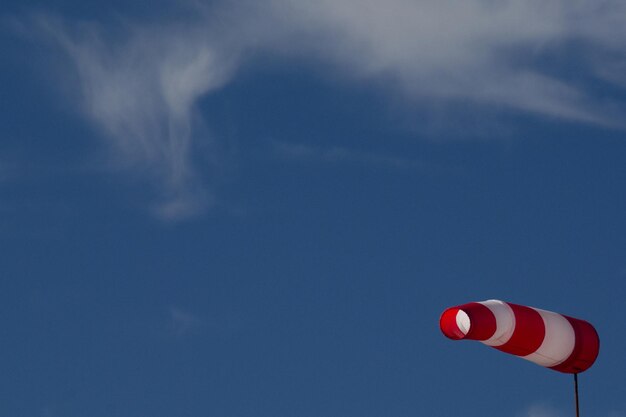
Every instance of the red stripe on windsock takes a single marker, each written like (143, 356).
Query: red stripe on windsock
(586, 348)
(528, 334)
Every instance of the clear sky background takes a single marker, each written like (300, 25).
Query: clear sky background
(261, 208)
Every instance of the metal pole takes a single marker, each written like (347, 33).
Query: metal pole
(576, 393)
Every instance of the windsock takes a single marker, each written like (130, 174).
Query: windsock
(558, 342)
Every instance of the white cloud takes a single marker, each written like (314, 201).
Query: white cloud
(140, 84)
(479, 50)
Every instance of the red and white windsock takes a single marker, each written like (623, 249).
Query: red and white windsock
(549, 339)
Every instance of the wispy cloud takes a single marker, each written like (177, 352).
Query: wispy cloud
(140, 83)
(538, 410)
(542, 410)
(183, 322)
(140, 89)
(6, 172)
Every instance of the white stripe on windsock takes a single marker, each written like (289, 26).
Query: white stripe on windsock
(558, 342)
(505, 322)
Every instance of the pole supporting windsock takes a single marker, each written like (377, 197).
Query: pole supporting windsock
(576, 393)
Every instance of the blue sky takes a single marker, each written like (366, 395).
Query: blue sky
(250, 209)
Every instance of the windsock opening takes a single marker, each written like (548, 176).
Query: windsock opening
(472, 321)
(455, 323)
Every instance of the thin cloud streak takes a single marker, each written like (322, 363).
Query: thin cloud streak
(141, 85)
(182, 322)
(341, 155)
(537, 410)
(541, 410)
